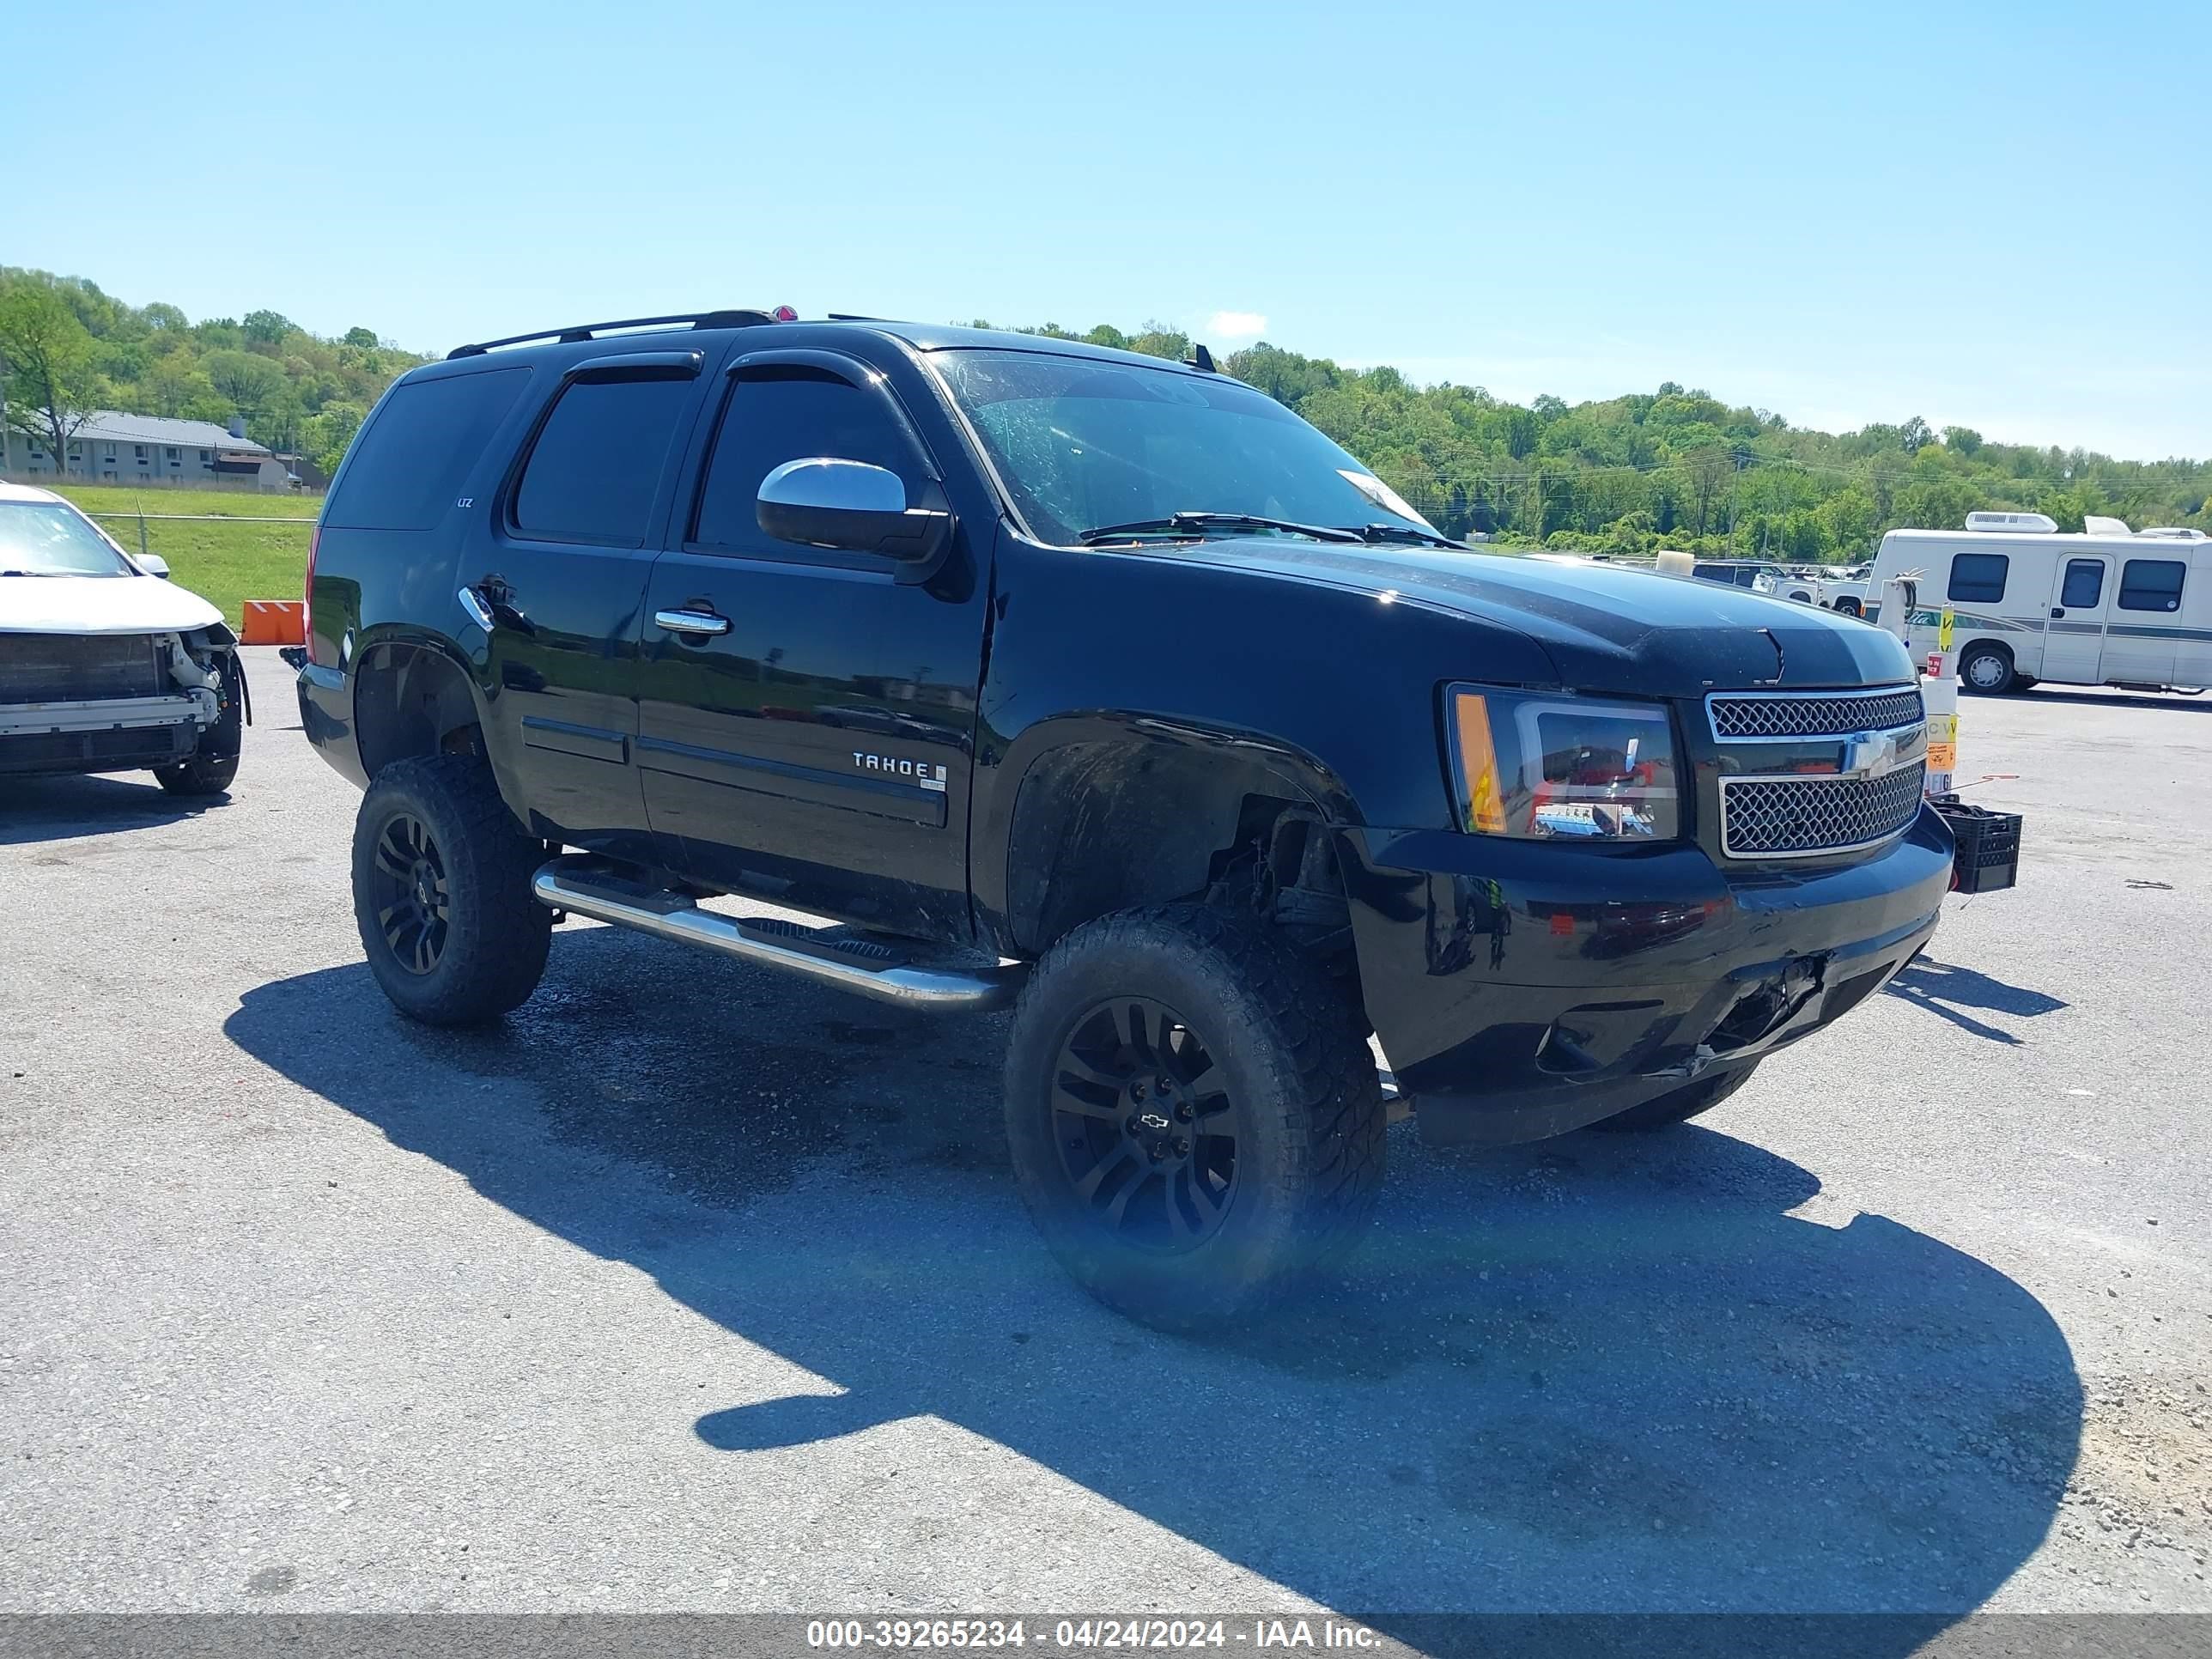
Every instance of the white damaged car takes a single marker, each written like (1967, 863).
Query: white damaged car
(105, 664)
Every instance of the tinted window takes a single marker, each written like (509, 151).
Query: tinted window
(592, 473)
(790, 415)
(1713, 572)
(1978, 578)
(406, 468)
(2151, 584)
(2085, 583)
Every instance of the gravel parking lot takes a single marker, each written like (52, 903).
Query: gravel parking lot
(693, 1287)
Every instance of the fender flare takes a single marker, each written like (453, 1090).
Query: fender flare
(1281, 767)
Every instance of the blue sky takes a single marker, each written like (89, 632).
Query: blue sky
(1995, 214)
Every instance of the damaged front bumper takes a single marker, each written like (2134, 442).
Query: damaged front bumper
(1522, 990)
(125, 732)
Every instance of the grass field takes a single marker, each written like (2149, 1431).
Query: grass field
(239, 550)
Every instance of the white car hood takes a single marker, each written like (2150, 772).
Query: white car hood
(100, 605)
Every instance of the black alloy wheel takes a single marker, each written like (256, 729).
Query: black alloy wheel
(1145, 1128)
(412, 899)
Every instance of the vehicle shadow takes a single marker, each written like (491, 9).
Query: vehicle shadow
(1945, 989)
(2201, 704)
(1606, 1374)
(55, 806)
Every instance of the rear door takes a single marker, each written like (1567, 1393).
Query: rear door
(808, 737)
(2081, 605)
(2142, 641)
(2192, 652)
(561, 586)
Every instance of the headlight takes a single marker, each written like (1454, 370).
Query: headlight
(1547, 767)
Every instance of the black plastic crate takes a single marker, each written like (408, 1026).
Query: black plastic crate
(1988, 855)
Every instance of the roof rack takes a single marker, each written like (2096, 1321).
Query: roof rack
(592, 330)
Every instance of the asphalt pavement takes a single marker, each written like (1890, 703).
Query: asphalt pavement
(694, 1287)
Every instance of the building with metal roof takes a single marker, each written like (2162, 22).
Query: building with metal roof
(112, 447)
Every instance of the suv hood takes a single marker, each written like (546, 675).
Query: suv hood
(100, 605)
(1632, 632)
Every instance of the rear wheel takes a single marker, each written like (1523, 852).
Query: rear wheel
(1680, 1105)
(441, 892)
(1195, 1119)
(1986, 668)
(1847, 607)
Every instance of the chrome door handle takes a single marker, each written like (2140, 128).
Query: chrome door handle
(691, 622)
(488, 606)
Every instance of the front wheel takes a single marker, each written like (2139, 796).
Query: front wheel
(213, 765)
(1194, 1117)
(441, 892)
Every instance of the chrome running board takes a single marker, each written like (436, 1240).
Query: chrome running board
(586, 887)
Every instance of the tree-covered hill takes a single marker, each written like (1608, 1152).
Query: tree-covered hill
(1679, 468)
(1667, 467)
(66, 348)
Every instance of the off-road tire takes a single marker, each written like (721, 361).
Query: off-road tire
(496, 934)
(1310, 1137)
(1679, 1105)
(214, 765)
(1978, 651)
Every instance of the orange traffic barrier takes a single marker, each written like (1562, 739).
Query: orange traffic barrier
(275, 621)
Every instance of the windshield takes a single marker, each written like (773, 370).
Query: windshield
(1083, 443)
(44, 539)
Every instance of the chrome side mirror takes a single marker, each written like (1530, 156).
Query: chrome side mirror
(823, 502)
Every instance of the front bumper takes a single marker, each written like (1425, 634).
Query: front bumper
(1521, 990)
(107, 734)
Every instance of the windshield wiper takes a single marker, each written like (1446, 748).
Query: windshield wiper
(1406, 532)
(1197, 524)
(32, 572)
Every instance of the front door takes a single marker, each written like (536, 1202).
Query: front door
(806, 717)
(2074, 637)
(561, 587)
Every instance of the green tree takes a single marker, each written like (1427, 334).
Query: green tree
(1707, 470)
(175, 386)
(250, 384)
(46, 372)
(326, 436)
(267, 327)
(365, 337)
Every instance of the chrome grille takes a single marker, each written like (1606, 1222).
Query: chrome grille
(1740, 716)
(1797, 818)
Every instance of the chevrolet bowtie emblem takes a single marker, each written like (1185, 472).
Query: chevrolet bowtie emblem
(1866, 753)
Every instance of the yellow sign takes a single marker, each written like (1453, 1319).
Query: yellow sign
(1943, 743)
(1943, 629)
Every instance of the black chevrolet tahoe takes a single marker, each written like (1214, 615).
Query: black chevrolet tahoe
(1104, 687)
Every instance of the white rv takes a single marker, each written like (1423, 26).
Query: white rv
(2028, 604)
